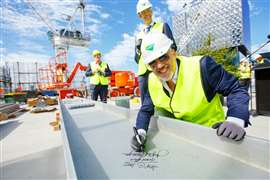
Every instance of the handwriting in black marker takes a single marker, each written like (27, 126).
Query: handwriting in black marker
(146, 160)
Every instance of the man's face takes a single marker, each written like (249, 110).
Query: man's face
(146, 16)
(164, 66)
(97, 58)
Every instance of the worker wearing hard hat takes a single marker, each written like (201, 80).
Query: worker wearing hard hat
(188, 88)
(259, 59)
(245, 73)
(144, 11)
(98, 71)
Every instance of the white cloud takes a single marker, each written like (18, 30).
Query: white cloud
(23, 24)
(2, 52)
(122, 53)
(80, 55)
(159, 15)
(27, 23)
(105, 15)
(254, 10)
(28, 45)
(120, 22)
(176, 5)
(24, 56)
(94, 28)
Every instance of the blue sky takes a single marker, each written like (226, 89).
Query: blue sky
(112, 25)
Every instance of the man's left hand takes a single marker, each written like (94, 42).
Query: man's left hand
(230, 130)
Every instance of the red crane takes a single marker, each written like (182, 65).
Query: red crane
(71, 91)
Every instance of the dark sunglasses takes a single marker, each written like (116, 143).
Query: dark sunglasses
(162, 58)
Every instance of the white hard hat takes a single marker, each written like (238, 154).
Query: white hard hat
(243, 60)
(154, 45)
(257, 56)
(143, 5)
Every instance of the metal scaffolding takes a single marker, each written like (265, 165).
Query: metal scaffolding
(5, 79)
(24, 75)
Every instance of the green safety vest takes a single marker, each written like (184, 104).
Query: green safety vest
(158, 26)
(96, 78)
(188, 101)
(245, 73)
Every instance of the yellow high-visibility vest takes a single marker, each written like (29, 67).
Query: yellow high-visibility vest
(188, 101)
(96, 78)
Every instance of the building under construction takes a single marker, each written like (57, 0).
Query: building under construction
(5, 79)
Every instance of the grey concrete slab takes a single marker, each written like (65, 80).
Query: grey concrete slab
(99, 142)
(46, 164)
(260, 127)
(30, 148)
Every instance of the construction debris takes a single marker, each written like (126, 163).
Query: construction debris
(9, 111)
(57, 123)
(43, 109)
(32, 102)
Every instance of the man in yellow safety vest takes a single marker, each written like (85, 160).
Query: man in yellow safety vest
(188, 88)
(144, 11)
(98, 71)
(245, 73)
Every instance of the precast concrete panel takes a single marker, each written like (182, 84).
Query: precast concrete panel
(97, 142)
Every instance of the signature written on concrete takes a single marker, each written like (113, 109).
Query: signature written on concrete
(146, 160)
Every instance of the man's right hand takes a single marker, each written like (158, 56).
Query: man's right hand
(138, 142)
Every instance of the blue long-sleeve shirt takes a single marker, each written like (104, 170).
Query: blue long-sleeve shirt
(166, 30)
(214, 80)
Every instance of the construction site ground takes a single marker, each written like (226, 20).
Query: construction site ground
(31, 149)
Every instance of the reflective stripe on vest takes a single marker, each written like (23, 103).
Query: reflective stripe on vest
(158, 26)
(188, 101)
(96, 78)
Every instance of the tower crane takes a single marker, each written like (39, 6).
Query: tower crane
(70, 36)
(62, 39)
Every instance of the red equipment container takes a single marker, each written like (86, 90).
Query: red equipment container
(123, 83)
(121, 79)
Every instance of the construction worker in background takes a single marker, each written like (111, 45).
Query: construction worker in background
(259, 59)
(144, 11)
(188, 88)
(245, 73)
(98, 72)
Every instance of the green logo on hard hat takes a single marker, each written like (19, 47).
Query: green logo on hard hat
(150, 47)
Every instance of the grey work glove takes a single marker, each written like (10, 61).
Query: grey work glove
(230, 130)
(138, 141)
